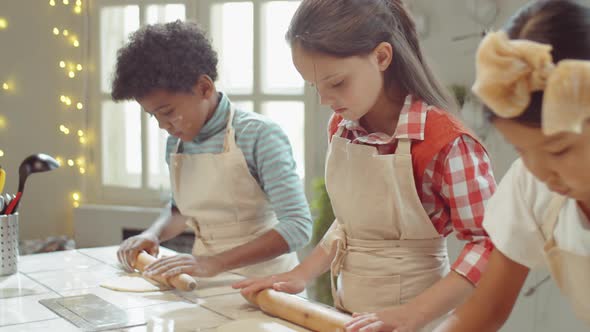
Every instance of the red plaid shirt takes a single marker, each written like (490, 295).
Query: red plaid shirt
(455, 185)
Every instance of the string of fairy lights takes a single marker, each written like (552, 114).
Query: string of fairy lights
(72, 70)
(5, 84)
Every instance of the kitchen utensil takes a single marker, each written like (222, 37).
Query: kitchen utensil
(7, 199)
(8, 244)
(2, 178)
(35, 163)
(182, 281)
(91, 313)
(311, 315)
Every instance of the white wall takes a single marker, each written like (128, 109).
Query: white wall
(30, 54)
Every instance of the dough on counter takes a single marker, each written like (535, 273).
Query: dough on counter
(256, 325)
(132, 283)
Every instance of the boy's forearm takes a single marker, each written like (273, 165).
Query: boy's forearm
(267, 246)
(169, 224)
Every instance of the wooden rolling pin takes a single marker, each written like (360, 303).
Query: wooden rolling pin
(295, 309)
(181, 281)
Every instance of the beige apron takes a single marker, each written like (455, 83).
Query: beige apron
(570, 271)
(388, 249)
(226, 206)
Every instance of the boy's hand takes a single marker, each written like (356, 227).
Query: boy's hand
(131, 247)
(200, 266)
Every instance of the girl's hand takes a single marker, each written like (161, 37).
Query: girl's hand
(200, 266)
(394, 319)
(288, 282)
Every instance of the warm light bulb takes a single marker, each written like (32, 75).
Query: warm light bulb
(76, 43)
(66, 2)
(77, 9)
(56, 31)
(62, 64)
(66, 131)
(62, 98)
(1, 153)
(5, 86)
(3, 23)
(68, 102)
(80, 133)
(79, 106)
(59, 160)
(78, 67)
(62, 128)
(80, 161)
(2, 122)
(76, 204)
(76, 196)
(65, 32)
(82, 140)
(78, 3)
(71, 74)
(70, 162)
(52, 3)
(82, 170)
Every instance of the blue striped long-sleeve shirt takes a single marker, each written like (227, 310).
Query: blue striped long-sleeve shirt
(268, 153)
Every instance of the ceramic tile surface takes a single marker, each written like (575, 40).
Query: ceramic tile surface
(19, 285)
(18, 310)
(77, 272)
(217, 285)
(75, 279)
(56, 261)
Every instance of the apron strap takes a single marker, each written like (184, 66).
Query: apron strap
(404, 146)
(335, 269)
(552, 216)
(229, 143)
(179, 147)
(339, 132)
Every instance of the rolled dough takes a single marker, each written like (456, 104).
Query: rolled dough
(255, 325)
(132, 283)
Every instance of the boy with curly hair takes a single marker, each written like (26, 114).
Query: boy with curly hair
(232, 172)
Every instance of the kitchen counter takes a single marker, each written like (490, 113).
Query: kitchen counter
(76, 272)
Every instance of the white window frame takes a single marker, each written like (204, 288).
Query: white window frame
(196, 10)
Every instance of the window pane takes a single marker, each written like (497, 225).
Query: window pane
(290, 115)
(116, 23)
(121, 144)
(158, 177)
(244, 105)
(165, 13)
(278, 73)
(232, 36)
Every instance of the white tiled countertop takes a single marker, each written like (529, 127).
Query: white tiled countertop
(76, 272)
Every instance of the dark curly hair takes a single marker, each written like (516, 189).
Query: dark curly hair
(171, 56)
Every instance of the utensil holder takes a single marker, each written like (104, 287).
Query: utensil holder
(8, 244)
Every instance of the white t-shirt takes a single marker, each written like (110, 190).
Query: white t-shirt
(516, 210)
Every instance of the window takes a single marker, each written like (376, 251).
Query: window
(255, 70)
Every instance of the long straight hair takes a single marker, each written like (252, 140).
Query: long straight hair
(344, 28)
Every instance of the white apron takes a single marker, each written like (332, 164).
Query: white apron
(570, 271)
(226, 206)
(388, 249)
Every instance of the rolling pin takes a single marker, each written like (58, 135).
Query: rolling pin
(300, 311)
(181, 281)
